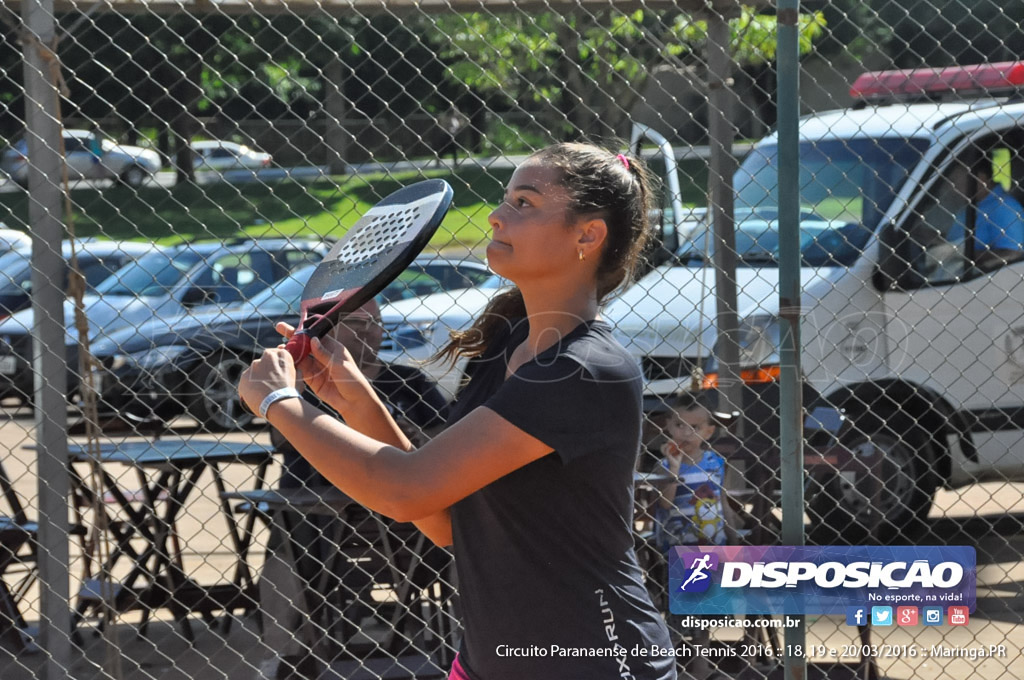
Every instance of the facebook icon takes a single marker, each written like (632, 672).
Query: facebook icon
(856, 616)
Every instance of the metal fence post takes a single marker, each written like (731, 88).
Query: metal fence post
(791, 406)
(721, 166)
(47, 226)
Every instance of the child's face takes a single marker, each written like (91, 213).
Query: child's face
(690, 430)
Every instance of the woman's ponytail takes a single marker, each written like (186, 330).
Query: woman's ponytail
(474, 341)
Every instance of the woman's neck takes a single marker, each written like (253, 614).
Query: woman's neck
(555, 312)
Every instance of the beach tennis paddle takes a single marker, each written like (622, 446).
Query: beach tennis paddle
(378, 247)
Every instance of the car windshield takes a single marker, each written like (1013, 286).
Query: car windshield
(151, 276)
(845, 188)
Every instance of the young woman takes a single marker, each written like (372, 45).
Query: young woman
(532, 482)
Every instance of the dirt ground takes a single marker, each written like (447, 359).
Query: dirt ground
(988, 516)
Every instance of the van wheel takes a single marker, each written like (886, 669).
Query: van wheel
(216, 404)
(134, 176)
(882, 495)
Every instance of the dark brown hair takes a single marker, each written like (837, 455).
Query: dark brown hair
(692, 401)
(602, 183)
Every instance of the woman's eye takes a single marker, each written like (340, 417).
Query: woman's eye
(517, 201)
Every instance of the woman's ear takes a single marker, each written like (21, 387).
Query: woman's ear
(591, 236)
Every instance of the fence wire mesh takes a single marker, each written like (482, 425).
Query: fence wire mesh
(206, 156)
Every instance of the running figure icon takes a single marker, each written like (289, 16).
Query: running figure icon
(698, 571)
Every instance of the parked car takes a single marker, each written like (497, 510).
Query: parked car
(96, 259)
(430, 274)
(919, 346)
(191, 363)
(179, 279)
(12, 239)
(416, 328)
(88, 155)
(218, 156)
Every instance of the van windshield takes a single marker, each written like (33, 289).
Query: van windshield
(151, 276)
(845, 188)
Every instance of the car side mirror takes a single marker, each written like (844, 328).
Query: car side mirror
(893, 265)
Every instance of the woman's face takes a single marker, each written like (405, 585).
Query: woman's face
(530, 237)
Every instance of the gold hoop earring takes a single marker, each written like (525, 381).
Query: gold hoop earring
(582, 256)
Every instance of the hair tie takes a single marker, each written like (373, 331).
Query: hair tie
(625, 161)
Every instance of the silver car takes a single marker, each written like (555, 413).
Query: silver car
(88, 155)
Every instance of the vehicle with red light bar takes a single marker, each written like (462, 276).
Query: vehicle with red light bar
(911, 324)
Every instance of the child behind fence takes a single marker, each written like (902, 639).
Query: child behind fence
(692, 509)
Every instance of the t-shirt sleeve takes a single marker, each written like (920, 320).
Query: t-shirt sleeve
(564, 406)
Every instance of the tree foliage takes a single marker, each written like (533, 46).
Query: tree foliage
(584, 71)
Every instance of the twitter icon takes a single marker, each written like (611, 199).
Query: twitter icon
(881, 616)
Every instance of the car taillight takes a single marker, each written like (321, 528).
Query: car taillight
(750, 376)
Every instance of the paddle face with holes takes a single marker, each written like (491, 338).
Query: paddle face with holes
(379, 247)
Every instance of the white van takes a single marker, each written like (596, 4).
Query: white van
(923, 349)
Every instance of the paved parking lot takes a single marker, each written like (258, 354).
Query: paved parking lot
(988, 516)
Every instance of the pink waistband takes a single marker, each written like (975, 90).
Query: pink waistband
(457, 673)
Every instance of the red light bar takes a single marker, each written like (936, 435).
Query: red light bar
(985, 78)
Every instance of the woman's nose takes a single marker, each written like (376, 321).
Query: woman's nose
(494, 219)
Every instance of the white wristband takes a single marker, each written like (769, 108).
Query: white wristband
(276, 396)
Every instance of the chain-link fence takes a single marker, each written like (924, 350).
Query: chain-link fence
(171, 173)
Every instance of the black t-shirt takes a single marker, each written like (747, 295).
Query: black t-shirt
(545, 554)
(409, 395)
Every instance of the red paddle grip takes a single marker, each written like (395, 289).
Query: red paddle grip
(299, 346)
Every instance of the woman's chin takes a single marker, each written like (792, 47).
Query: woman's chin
(497, 251)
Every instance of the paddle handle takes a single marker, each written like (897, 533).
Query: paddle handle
(299, 346)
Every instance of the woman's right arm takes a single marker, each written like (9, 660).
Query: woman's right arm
(437, 527)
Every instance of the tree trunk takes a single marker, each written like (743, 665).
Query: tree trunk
(189, 90)
(571, 103)
(335, 111)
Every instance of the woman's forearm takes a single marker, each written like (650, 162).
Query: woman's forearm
(371, 417)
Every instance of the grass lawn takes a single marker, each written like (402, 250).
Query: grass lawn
(325, 208)
(222, 210)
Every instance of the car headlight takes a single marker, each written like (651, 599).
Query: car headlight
(759, 340)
